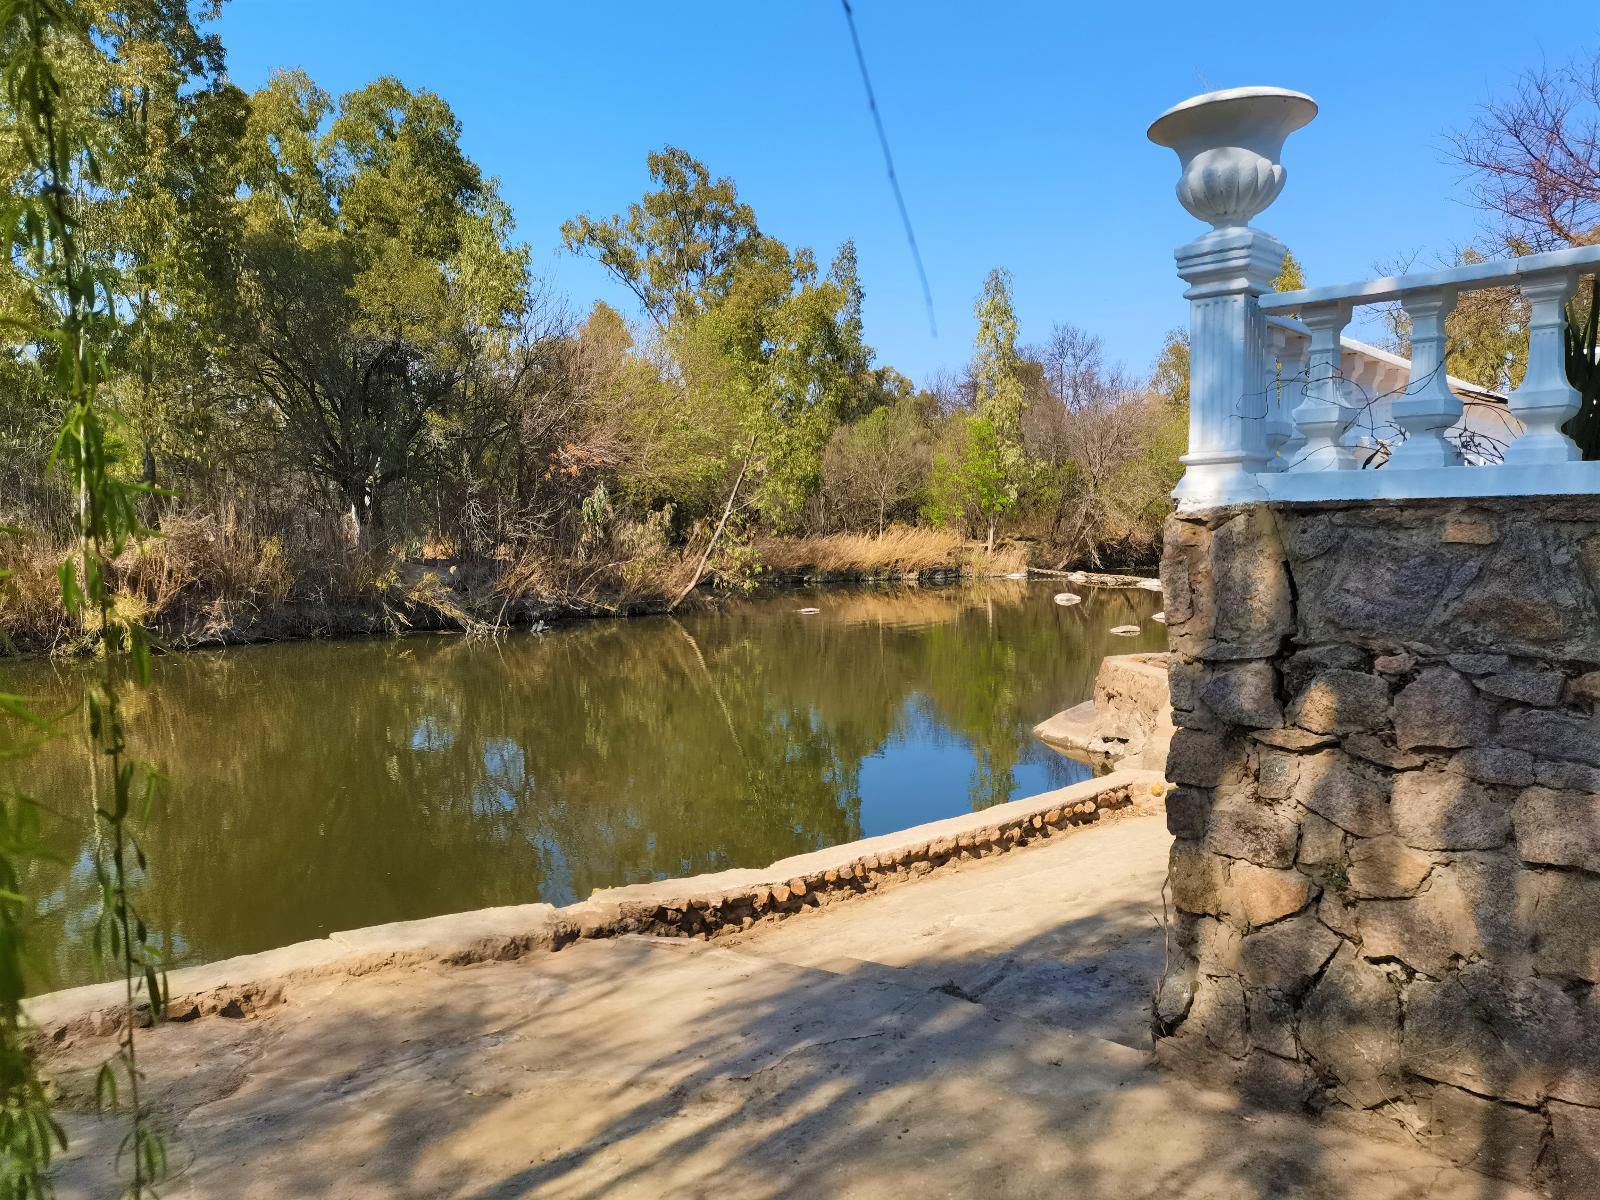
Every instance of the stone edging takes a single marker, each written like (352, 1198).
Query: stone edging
(699, 906)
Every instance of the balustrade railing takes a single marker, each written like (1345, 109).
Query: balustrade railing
(1282, 405)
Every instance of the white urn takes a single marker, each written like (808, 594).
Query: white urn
(1229, 143)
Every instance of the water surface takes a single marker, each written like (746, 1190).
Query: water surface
(323, 786)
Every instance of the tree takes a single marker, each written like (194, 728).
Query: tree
(970, 485)
(1533, 158)
(145, 87)
(1170, 378)
(378, 275)
(997, 369)
(875, 465)
(753, 338)
(680, 248)
(1291, 277)
(1072, 360)
(864, 388)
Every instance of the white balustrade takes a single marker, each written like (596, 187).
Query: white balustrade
(1282, 405)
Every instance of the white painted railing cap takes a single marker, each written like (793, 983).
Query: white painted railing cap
(1393, 287)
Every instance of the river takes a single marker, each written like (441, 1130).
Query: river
(316, 786)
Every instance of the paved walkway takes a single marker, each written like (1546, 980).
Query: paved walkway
(972, 1034)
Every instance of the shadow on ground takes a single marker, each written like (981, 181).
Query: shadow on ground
(640, 1068)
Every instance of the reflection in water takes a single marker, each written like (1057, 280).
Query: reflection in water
(323, 786)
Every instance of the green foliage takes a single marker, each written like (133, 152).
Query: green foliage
(1170, 379)
(971, 487)
(683, 247)
(75, 319)
(758, 341)
(1291, 276)
(1583, 370)
(997, 372)
(379, 287)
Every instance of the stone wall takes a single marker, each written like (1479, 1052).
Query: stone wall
(1127, 723)
(1386, 865)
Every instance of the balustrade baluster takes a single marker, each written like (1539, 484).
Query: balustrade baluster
(1428, 407)
(1322, 416)
(1280, 425)
(1546, 400)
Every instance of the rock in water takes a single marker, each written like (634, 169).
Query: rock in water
(1016, 575)
(1159, 618)
(1068, 599)
(1150, 585)
(808, 612)
(1125, 630)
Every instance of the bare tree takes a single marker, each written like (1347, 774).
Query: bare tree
(1534, 157)
(1074, 364)
(956, 391)
(1098, 445)
(876, 466)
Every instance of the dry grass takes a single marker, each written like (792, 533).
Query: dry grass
(900, 550)
(214, 578)
(207, 578)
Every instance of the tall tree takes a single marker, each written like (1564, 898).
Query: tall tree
(679, 249)
(379, 273)
(999, 388)
(757, 341)
(971, 487)
(146, 88)
(1072, 360)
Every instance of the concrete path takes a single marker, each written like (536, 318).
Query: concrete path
(1068, 933)
(839, 1053)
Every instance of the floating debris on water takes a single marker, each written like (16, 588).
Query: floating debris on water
(1125, 630)
(808, 612)
(1068, 599)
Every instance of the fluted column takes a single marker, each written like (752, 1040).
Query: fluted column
(1546, 400)
(1227, 271)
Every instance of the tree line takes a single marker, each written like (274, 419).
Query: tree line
(329, 336)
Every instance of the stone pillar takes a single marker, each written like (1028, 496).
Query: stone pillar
(1385, 873)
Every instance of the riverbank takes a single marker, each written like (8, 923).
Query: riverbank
(700, 906)
(201, 585)
(978, 1032)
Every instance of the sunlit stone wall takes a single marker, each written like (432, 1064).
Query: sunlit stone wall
(1385, 879)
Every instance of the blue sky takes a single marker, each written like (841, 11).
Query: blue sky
(1017, 128)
